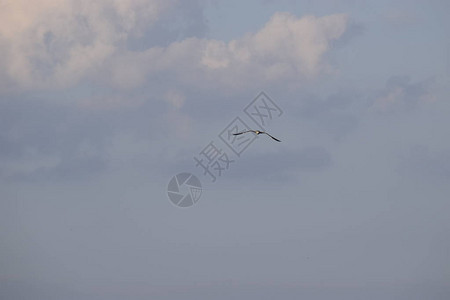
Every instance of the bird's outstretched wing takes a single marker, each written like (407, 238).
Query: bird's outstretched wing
(238, 133)
(272, 137)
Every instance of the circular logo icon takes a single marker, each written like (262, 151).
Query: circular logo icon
(184, 190)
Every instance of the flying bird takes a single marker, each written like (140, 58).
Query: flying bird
(257, 132)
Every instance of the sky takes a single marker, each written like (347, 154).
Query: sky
(103, 102)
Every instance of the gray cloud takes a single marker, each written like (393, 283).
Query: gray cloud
(67, 169)
(420, 163)
(355, 29)
(337, 115)
(186, 21)
(400, 95)
(47, 141)
(278, 167)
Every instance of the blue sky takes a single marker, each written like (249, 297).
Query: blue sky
(103, 102)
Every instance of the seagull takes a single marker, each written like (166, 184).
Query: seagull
(257, 132)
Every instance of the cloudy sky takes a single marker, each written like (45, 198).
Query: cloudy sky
(103, 102)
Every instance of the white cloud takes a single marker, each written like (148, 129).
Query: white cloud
(299, 42)
(286, 43)
(55, 44)
(287, 47)
(216, 55)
